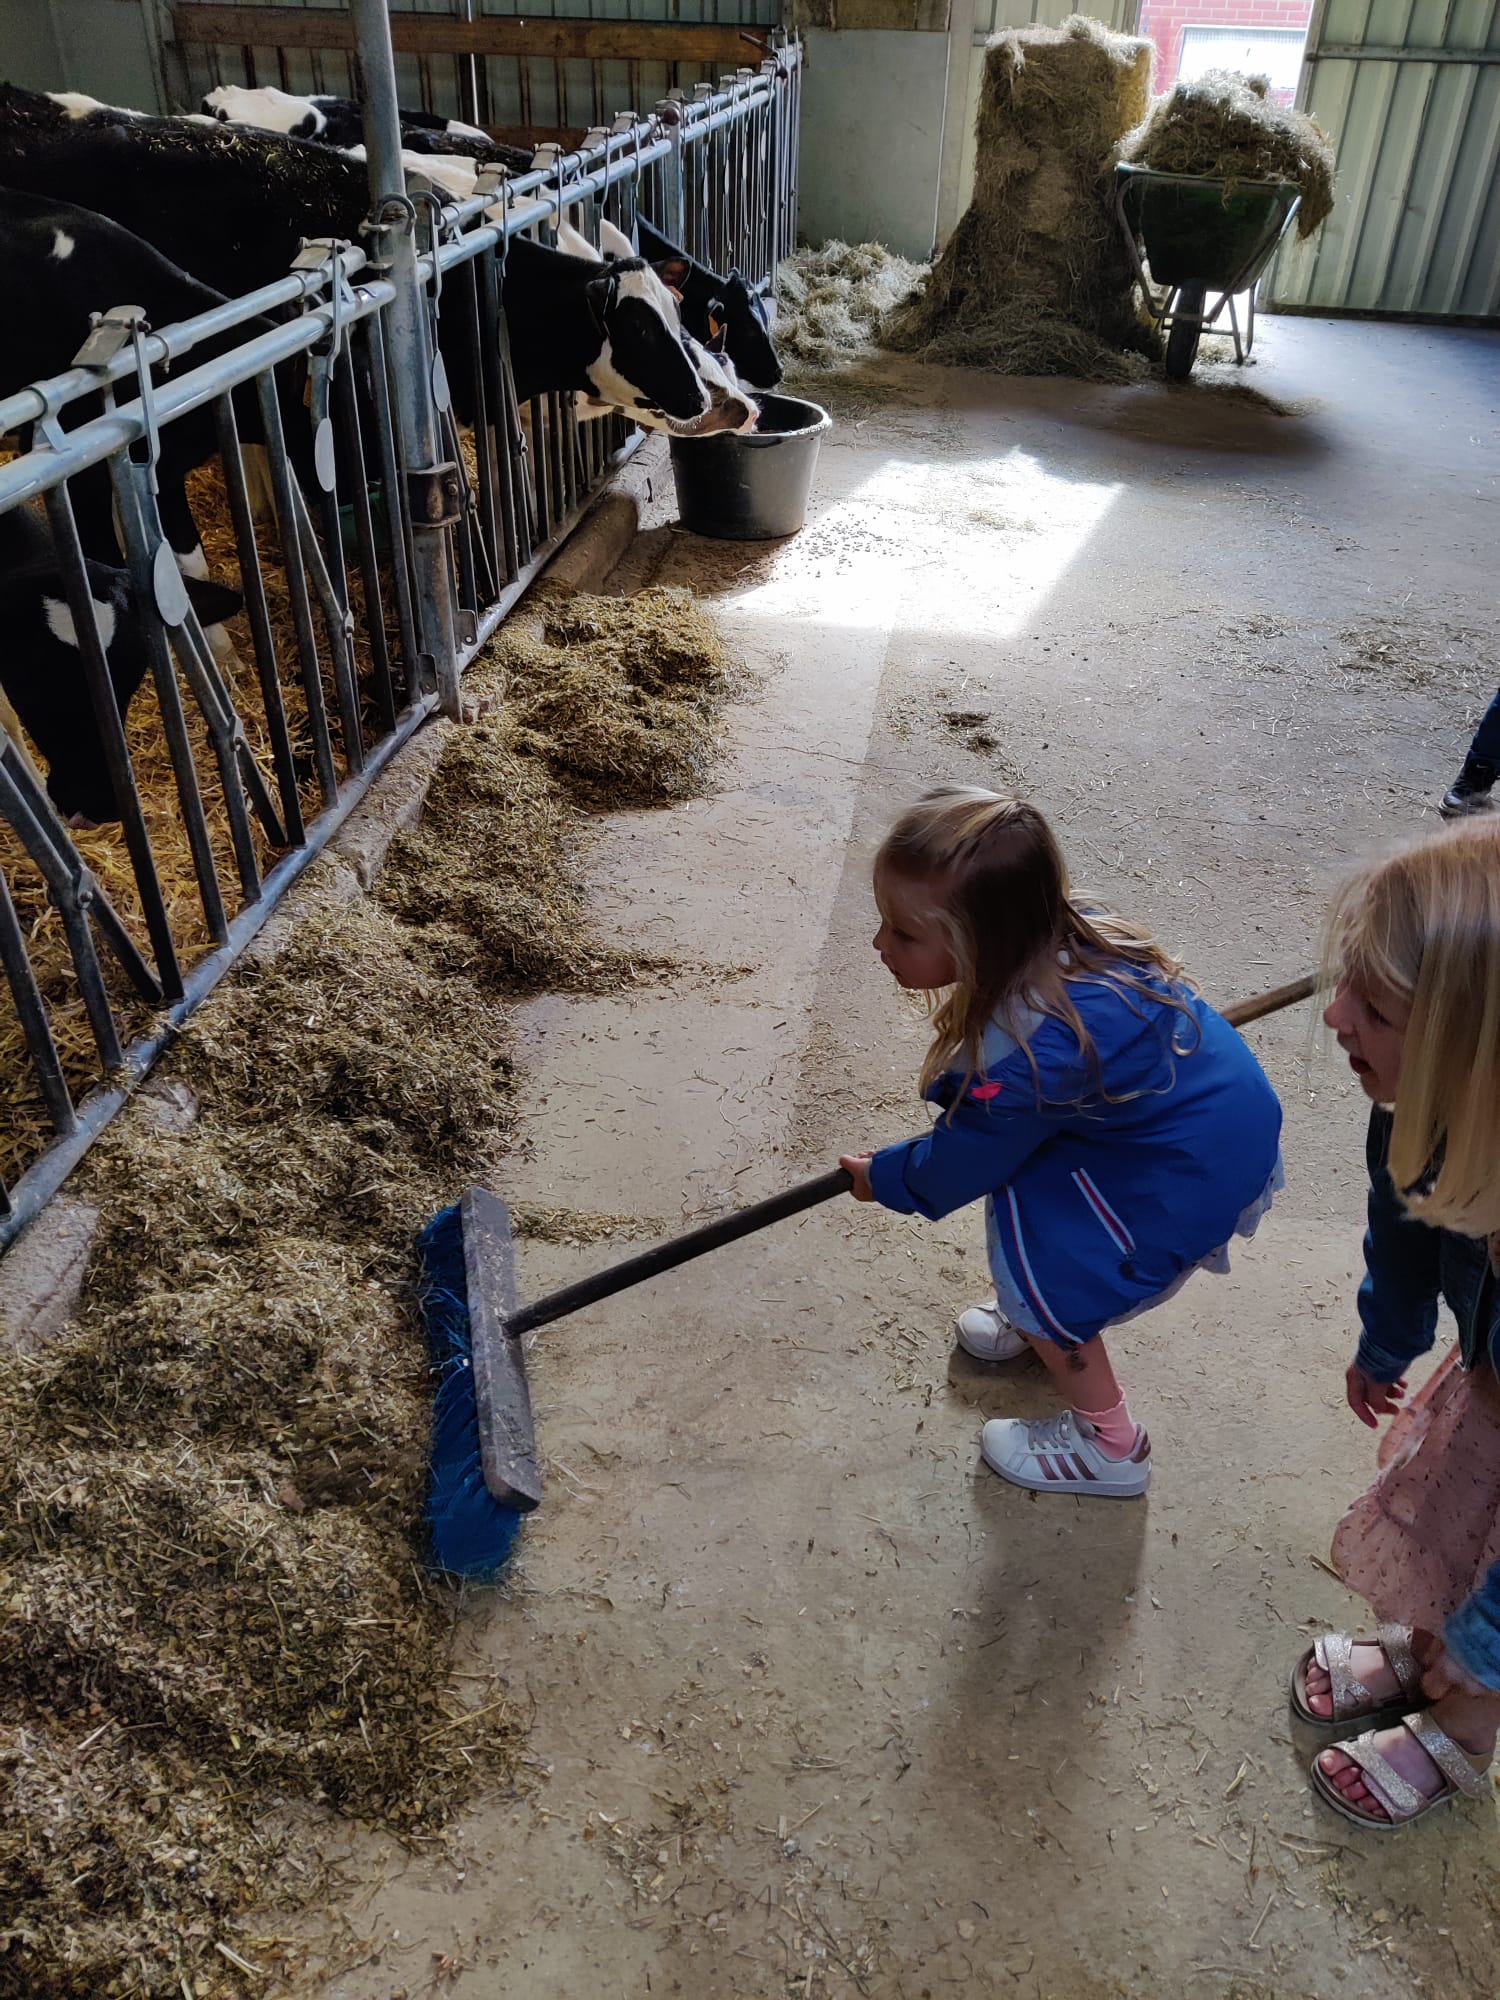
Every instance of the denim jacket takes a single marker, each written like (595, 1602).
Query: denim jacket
(1409, 1267)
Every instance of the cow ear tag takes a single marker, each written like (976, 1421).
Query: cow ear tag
(323, 455)
(168, 587)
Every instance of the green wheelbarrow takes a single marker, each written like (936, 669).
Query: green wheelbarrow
(1189, 237)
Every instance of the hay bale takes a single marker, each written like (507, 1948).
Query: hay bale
(831, 303)
(1226, 126)
(1036, 279)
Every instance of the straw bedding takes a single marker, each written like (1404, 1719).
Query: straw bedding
(210, 1486)
(832, 301)
(1036, 279)
(24, 1127)
(1227, 127)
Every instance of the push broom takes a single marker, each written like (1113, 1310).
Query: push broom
(484, 1472)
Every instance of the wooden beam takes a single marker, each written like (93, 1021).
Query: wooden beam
(225, 26)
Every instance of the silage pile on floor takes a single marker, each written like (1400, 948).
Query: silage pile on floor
(606, 702)
(832, 301)
(1036, 279)
(1227, 127)
(211, 1487)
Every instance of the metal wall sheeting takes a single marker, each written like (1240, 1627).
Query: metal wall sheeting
(1409, 92)
(990, 16)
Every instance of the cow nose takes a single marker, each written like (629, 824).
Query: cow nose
(742, 415)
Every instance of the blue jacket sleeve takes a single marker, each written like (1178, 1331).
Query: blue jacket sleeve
(959, 1160)
(1398, 1299)
(1473, 1632)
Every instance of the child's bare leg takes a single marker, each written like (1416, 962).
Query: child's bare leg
(1086, 1381)
(1085, 1375)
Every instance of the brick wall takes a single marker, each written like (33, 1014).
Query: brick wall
(1164, 20)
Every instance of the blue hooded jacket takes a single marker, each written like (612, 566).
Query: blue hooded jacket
(1108, 1178)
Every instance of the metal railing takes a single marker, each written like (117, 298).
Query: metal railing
(392, 541)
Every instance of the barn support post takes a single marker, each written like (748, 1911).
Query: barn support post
(429, 479)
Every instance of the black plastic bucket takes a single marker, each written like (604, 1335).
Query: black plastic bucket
(751, 486)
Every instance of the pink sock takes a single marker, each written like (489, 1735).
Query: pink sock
(1114, 1430)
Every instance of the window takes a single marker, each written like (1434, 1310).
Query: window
(1272, 52)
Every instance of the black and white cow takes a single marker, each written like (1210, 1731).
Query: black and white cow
(339, 121)
(729, 406)
(725, 314)
(68, 263)
(231, 205)
(41, 669)
(228, 206)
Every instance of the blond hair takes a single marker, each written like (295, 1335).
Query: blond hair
(993, 875)
(1424, 927)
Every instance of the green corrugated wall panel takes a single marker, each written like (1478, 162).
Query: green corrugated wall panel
(1417, 226)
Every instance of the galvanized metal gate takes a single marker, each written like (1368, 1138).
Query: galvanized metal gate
(1409, 91)
(363, 603)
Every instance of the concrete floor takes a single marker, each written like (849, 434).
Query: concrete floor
(820, 1706)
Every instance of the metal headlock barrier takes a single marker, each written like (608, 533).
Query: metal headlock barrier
(392, 540)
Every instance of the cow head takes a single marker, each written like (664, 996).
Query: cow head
(747, 334)
(642, 366)
(739, 327)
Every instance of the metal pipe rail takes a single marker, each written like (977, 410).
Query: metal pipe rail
(354, 640)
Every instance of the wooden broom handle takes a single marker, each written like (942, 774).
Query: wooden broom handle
(777, 1208)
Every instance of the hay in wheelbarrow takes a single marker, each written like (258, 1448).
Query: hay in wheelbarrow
(1227, 128)
(1036, 279)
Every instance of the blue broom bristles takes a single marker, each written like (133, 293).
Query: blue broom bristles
(470, 1533)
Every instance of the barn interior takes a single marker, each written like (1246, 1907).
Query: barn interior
(545, 866)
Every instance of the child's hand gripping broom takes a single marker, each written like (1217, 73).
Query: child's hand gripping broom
(484, 1469)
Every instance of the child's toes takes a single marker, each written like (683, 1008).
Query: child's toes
(1349, 1780)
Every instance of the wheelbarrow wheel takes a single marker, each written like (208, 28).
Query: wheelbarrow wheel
(1185, 332)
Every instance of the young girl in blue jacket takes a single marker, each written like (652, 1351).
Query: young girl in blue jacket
(1117, 1129)
(1415, 964)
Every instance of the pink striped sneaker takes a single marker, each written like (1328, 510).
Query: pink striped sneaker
(1059, 1455)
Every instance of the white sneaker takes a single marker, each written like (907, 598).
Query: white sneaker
(988, 1335)
(1059, 1455)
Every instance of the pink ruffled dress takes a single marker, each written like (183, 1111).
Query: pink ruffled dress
(1417, 1544)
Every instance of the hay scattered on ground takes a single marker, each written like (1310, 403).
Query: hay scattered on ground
(601, 702)
(1036, 279)
(831, 303)
(211, 1486)
(1226, 126)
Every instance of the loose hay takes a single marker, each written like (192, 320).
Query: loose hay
(1036, 279)
(831, 303)
(1226, 127)
(211, 1486)
(606, 702)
